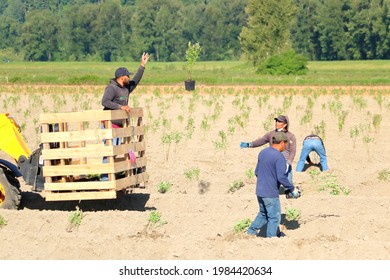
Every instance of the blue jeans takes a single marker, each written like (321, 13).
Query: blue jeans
(115, 142)
(310, 145)
(269, 214)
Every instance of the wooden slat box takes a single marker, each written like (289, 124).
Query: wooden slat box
(74, 145)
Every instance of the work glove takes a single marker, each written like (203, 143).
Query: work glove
(244, 145)
(293, 194)
(296, 194)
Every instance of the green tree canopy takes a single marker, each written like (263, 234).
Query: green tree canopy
(268, 28)
(76, 32)
(108, 31)
(39, 38)
(111, 30)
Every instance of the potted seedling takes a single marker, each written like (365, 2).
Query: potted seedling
(192, 54)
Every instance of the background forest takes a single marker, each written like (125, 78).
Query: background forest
(114, 30)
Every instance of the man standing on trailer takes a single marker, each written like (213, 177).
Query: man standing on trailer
(116, 95)
(117, 92)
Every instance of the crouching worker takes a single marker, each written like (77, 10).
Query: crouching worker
(271, 172)
(312, 143)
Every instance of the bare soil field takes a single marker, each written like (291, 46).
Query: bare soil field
(344, 211)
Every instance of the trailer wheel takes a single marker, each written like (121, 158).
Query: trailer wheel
(10, 194)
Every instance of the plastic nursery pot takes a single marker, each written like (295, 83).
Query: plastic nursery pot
(189, 85)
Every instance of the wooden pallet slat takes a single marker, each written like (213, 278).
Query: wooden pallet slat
(63, 196)
(90, 115)
(91, 134)
(132, 181)
(79, 186)
(95, 150)
(90, 169)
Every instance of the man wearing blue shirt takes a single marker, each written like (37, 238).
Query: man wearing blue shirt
(271, 173)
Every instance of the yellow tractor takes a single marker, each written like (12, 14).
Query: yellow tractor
(26, 164)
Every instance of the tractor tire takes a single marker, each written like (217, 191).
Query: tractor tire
(10, 188)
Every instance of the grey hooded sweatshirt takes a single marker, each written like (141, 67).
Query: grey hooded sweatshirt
(291, 149)
(116, 96)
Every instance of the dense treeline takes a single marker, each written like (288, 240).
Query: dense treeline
(342, 29)
(111, 30)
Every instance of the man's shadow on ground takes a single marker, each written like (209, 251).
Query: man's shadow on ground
(290, 225)
(124, 202)
(307, 166)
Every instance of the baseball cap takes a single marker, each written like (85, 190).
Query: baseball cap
(122, 71)
(281, 118)
(280, 137)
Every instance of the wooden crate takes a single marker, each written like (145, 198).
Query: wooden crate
(73, 147)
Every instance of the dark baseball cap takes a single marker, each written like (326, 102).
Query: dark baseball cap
(122, 71)
(281, 118)
(280, 137)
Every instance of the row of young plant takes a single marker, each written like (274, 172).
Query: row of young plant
(214, 101)
(244, 106)
(377, 93)
(328, 182)
(173, 131)
(76, 217)
(155, 219)
(184, 123)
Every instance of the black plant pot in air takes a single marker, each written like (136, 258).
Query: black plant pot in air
(189, 85)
